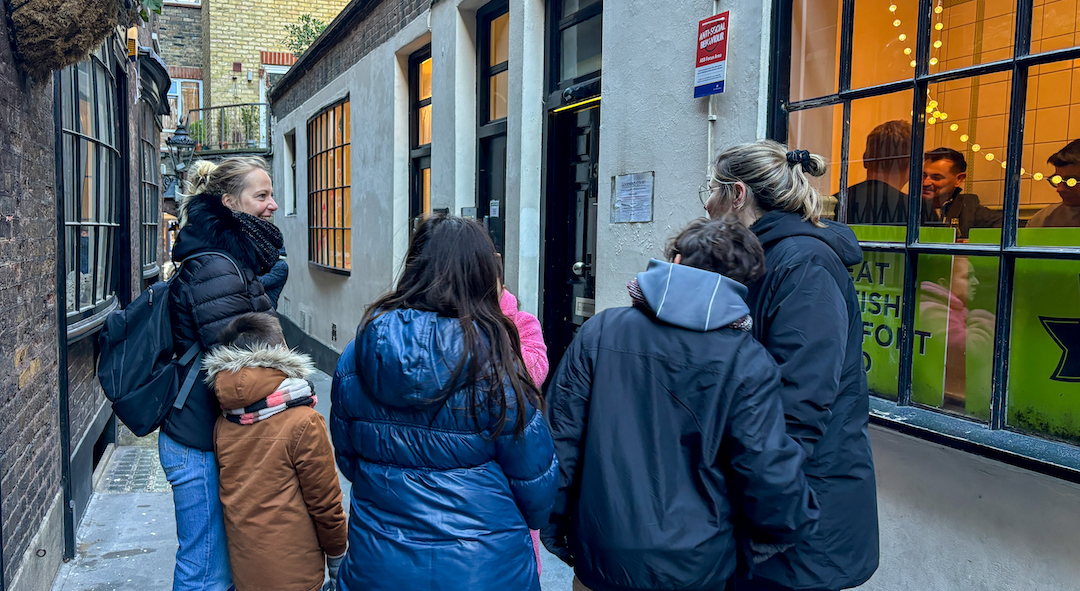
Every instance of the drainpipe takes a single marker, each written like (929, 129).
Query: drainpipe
(711, 124)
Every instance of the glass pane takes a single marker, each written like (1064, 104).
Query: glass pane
(104, 254)
(71, 280)
(883, 42)
(71, 169)
(879, 283)
(88, 207)
(1044, 367)
(1055, 24)
(954, 333)
(348, 248)
(425, 79)
(963, 180)
(815, 49)
(424, 126)
(190, 99)
(500, 40)
(581, 49)
(105, 122)
(425, 191)
(969, 33)
(880, 155)
(67, 97)
(1049, 214)
(87, 264)
(85, 99)
(572, 6)
(497, 98)
(819, 131)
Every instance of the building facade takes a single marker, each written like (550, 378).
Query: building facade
(533, 115)
(79, 237)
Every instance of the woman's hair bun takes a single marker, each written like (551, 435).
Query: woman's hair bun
(815, 166)
(198, 177)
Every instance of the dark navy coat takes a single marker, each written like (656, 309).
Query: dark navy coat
(807, 315)
(437, 503)
(670, 433)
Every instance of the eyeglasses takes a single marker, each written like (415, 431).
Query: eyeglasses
(705, 191)
(1057, 180)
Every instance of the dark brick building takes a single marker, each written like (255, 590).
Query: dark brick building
(79, 236)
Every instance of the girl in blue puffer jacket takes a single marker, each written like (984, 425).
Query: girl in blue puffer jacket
(435, 422)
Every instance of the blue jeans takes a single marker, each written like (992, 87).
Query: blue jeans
(202, 560)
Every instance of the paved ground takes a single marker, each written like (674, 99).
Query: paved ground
(127, 539)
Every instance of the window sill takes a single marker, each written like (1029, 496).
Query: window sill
(328, 269)
(1052, 458)
(90, 325)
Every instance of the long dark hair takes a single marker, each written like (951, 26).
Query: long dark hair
(451, 269)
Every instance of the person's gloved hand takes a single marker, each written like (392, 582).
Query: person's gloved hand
(333, 564)
(554, 538)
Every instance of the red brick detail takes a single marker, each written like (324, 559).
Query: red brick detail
(277, 58)
(185, 72)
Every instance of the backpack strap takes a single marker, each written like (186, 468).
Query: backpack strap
(193, 373)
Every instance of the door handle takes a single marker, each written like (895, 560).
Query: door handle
(578, 269)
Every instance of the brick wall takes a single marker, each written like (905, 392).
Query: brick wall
(85, 397)
(365, 31)
(240, 30)
(180, 34)
(29, 433)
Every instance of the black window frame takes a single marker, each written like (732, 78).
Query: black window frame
(557, 24)
(995, 439)
(149, 189)
(325, 259)
(111, 195)
(419, 154)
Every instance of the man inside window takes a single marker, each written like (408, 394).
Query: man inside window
(944, 172)
(1066, 181)
(880, 198)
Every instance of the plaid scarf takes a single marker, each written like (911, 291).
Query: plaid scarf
(264, 235)
(292, 392)
(745, 323)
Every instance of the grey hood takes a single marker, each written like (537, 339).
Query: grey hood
(692, 298)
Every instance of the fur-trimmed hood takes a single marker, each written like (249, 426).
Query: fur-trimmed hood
(206, 224)
(233, 359)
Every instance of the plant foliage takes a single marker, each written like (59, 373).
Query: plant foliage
(302, 33)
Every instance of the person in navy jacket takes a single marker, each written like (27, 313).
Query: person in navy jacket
(438, 426)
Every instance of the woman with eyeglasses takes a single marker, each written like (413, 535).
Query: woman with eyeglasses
(807, 314)
(1066, 181)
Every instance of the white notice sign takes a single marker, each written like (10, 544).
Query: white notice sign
(632, 198)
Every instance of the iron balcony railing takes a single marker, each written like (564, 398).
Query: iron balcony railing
(231, 129)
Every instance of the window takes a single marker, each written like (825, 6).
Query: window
(149, 188)
(577, 47)
(290, 173)
(420, 133)
(93, 182)
(942, 127)
(493, 73)
(329, 190)
(184, 95)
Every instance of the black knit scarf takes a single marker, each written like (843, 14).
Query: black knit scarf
(264, 235)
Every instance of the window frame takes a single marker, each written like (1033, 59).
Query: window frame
(558, 23)
(995, 439)
(327, 263)
(181, 108)
(110, 163)
(419, 154)
(150, 182)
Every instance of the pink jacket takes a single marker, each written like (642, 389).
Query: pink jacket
(534, 351)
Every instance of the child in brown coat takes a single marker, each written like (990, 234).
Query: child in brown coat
(279, 486)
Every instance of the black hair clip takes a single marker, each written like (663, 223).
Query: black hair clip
(799, 157)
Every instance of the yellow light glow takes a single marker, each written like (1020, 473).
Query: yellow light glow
(964, 137)
(943, 116)
(975, 147)
(588, 101)
(912, 63)
(1055, 179)
(1022, 171)
(929, 109)
(989, 156)
(931, 121)
(1037, 176)
(903, 37)
(954, 127)
(907, 51)
(937, 44)
(939, 26)
(936, 114)
(938, 10)
(892, 8)
(896, 23)
(1003, 165)
(933, 61)
(932, 104)
(1071, 182)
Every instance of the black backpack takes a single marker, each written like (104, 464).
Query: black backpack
(137, 366)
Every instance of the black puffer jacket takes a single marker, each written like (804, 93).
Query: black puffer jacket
(206, 295)
(807, 315)
(668, 430)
